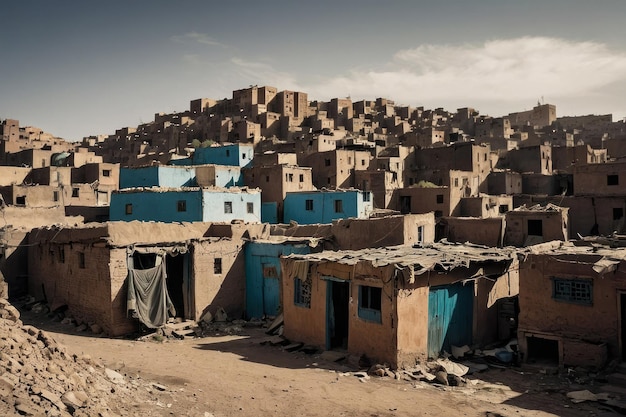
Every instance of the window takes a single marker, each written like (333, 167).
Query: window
(367, 196)
(75, 192)
(302, 292)
(106, 172)
(301, 178)
(456, 182)
(370, 303)
(55, 196)
(535, 227)
(243, 156)
(362, 162)
(20, 200)
(420, 234)
(181, 205)
(267, 178)
(228, 206)
(439, 198)
(308, 205)
(618, 213)
(217, 266)
(612, 179)
(227, 152)
(81, 260)
(289, 177)
(578, 291)
(129, 209)
(349, 160)
(338, 206)
(503, 208)
(250, 208)
(327, 162)
(62, 254)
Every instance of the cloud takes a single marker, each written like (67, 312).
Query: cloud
(507, 70)
(264, 74)
(201, 38)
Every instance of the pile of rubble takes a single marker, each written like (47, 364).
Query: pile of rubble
(39, 378)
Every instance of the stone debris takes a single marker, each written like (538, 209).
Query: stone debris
(39, 378)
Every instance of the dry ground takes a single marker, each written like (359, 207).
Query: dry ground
(224, 376)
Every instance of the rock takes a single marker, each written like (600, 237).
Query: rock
(74, 400)
(442, 377)
(10, 313)
(159, 386)
(53, 398)
(114, 377)
(6, 386)
(220, 315)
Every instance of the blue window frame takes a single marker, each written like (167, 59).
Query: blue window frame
(370, 303)
(577, 291)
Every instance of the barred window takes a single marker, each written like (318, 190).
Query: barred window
(302, 292)
(577, 291)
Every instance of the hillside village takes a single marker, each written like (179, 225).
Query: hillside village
(427, 229)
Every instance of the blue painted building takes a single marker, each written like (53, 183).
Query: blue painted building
(238, 154)
(188, 204)
(172, 176)
(263, 274)
(311, 207)
(158, 176)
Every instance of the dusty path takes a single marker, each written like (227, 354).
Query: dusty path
(225, 376)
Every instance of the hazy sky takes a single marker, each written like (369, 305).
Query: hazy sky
(80, 68)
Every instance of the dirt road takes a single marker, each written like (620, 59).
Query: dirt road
(224, 376)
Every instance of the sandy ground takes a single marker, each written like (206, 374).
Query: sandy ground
(221, 376)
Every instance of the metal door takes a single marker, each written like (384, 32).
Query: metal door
(450, 317)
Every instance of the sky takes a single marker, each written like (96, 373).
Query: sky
(84, 68)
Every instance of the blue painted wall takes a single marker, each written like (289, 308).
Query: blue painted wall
(240, 155)
(157, 176)
(200, 205)
(263, 276)
(214, 206)
(228, 176)
(160, 207)
(269, 212)
(323, 206)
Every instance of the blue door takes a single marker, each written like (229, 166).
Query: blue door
(450, 317)
(271, 285)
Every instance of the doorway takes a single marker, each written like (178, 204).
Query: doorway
(337, 313)
(405, 204)
(175, 268)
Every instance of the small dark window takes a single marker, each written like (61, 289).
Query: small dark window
(267, 178)
(289, 177)
(243, 156)
(504, 208)
(302, 292)
(338, 206)
(612, 179)
(370, 299)
(181, 205)
(308, 205)
(535, 227)
(81, 260)
(367, 196)
(363, 162)
(106, 172)
(217, 266)
(129, 209)
(439, 198)
(228, 206)
(301, 178)
(21, 200)
(250, 208)
(75, 192)
(62, 254)
(227, 152)
(576, 291)
(618, 213)
(55, 196)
